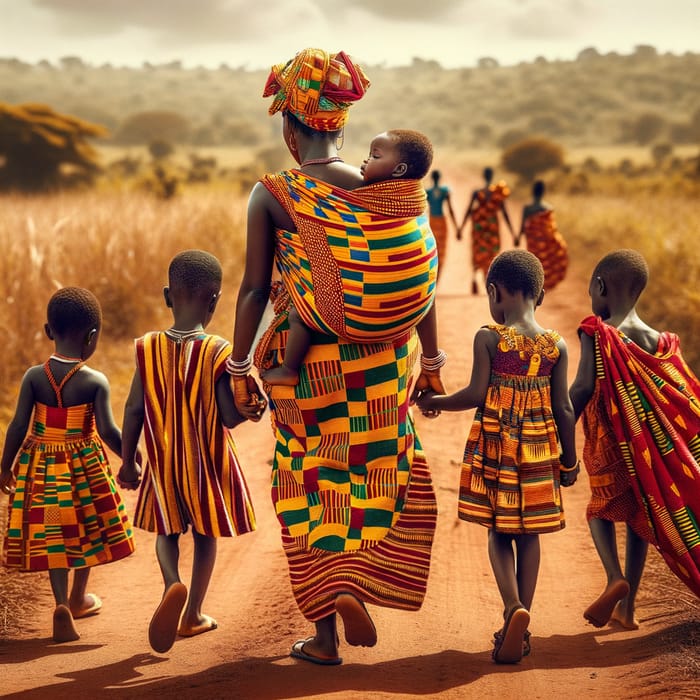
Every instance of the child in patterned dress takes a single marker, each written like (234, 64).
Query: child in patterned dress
(65, 511)
(399, 154)
(521, 446)
(181, 397)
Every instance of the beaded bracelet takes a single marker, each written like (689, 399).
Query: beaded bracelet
(238, 369)
(570, 469)
(431, 364)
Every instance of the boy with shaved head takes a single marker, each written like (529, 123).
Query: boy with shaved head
(641, 413)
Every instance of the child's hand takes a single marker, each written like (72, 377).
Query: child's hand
(568, 475)
(129, 476)
(428, 384)
(7, 482)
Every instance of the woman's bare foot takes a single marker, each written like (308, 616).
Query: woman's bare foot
(63, 627)
(89, 605)
(624, 617)
(359, 628)
(191, 628)
(281, 376)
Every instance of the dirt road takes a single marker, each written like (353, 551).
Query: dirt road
(443, 651)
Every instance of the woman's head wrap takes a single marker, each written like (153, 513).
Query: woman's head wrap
(317, 88)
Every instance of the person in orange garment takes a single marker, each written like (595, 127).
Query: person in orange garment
(65, 511)
(439, 196)
(521, 446)
(542, 237)
(350, 483)
(640, 404)
(484, 208)
(181, 398)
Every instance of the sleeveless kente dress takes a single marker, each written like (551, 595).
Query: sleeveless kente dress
(66, 512)
(510, 472)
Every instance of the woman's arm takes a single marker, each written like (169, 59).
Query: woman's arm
(254, 291)
(584, 383)
(467, 214)
(448, 199)
(504, 209)
(253, 296)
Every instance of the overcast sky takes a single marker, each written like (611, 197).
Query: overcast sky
(258, 33)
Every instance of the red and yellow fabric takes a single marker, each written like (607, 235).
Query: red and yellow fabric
(548, 245)
(642, 447)
(192, 476)
(510, 471)
(369, 251)
(350, 483)
(317, 88)
(486, 237)
(66, 512)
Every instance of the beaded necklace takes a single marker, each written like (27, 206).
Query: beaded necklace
(322, 161)
(181, 336)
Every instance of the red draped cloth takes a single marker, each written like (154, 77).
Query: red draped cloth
(652, 404)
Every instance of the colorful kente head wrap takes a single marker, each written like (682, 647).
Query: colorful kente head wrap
(317, 88)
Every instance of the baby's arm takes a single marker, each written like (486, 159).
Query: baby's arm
(134, 410)
(584, 383)
(471, 396)
(16, 432)
(228, 412)
(564, 416)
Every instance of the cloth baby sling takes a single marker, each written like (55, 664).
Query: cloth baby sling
(362, 264)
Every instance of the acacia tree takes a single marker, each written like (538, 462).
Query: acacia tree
(532, 156)
(36, 143)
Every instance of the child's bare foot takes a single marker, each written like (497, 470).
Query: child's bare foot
(281, 376)
(200, 625)
(63, 627)
(163, 628)
(624, 617)
(599, 612)
(89, 605)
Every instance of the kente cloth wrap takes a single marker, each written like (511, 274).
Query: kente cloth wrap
(370, 251)
(66, 512)
(486, 237)
(645, 471)
(192, 476)
(547, 244)
(510, 472)
(317, 88)
(350, 484)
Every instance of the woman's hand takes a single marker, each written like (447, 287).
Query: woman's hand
(248, 398)
(427, 384)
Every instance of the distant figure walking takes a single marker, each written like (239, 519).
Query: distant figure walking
(483, 208)
(438, 196)
(543, 238)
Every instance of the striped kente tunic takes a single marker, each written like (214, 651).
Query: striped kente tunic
(192, 476)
